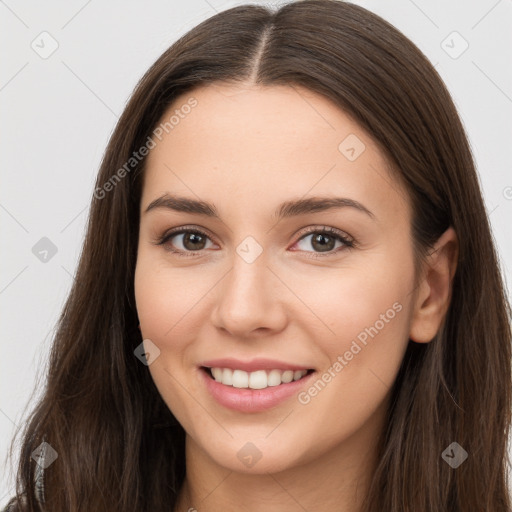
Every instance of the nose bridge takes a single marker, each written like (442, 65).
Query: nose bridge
(247, 299)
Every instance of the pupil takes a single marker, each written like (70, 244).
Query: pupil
(320, 239)
(194, 238)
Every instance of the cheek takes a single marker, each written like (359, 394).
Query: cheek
(165, 303)
(361, 301)
(166, 299)
(362, 359)
(367, 311)
(363, 312)
(365, 315)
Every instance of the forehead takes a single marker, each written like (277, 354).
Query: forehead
(251, 146)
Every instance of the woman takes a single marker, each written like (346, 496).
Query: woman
(288, 295)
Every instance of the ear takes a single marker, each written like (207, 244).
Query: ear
(433, 296)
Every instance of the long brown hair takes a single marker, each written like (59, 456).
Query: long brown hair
(119, 447)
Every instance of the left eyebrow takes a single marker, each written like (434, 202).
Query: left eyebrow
(318, 204)
(287, 209)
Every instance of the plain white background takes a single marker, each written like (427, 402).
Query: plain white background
(59, 110)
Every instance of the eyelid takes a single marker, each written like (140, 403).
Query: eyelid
(326, 229)
(167, 235)
(187, 228)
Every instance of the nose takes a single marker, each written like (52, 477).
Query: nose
(250, 300)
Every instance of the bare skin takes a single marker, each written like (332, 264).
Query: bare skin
(246, 150)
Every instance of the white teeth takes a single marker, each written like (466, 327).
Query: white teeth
(287, 376)
(274, 378)
(227, 376)
(259, 379)
(217, 374)
(240, 379)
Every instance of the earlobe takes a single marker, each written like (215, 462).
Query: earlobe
(434, 294)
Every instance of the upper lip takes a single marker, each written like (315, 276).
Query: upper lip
(253, 364)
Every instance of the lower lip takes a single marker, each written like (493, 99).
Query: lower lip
(252, 400)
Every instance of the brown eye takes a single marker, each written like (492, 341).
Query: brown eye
(193, 241)
(185, 241)
(323, 241)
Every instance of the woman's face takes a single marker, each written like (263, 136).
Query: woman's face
(259, 293)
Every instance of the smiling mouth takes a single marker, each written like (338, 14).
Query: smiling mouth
(259, 379)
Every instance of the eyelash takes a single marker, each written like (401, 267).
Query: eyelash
(348, 242)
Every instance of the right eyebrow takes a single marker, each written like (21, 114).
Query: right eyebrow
(184, 204)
